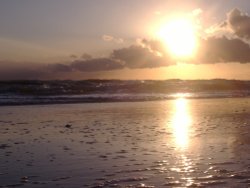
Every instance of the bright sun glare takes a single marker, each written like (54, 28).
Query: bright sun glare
(179, 36)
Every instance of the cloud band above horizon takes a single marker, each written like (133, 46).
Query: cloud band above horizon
(151, 53)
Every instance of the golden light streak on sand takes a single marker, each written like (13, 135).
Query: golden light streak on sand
(181, 122)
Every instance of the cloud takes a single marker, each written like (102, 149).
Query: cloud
(137, 56)
(109, 38)
(239, 23)
(154, 46)
(58, 67)
(197, 12)
(73, 56)
(86, 56)
(23, 74)
(145, 53)
(21, 70)
(218, 29)
(83, 56)
(153, 54)
(96, 64)
(211, 50)
(223, 49)
(227, 41)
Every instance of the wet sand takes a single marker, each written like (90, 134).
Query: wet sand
(173, 143)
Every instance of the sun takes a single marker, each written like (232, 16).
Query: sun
(179, 36)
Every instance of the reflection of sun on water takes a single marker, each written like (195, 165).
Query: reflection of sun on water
(181, 123)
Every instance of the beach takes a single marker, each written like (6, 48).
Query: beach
(169, 143)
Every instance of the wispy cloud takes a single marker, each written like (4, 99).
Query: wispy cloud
(109, 38)
(197, 12)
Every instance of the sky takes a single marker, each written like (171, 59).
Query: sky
(116, 39)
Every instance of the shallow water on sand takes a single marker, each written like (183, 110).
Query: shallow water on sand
(174, 143)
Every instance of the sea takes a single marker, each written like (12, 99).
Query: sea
(125, 134)
(86, 91)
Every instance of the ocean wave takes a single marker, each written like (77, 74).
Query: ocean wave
(53, 92)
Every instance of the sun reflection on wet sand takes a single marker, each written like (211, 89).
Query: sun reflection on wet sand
(181, 123)
(181, 126)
